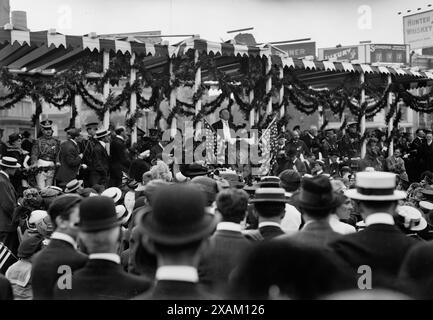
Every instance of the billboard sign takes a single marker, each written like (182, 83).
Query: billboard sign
(418, 30)
(299, 50)
(388, 53)
(339, 54)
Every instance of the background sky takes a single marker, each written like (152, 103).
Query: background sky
(328, 22)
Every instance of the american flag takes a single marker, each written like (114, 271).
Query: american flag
(269, 147)
(7, 258)
(210, 143)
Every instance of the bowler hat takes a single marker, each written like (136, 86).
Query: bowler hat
(73, 132)
(62, 204)
(270, 179)
(233, 179)
(98, 214)
(316, 194)
(290, 178)
(178, 216)
(194, 170)
(209, 187)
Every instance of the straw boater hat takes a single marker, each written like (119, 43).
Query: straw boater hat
(375, 186)
(411, 218)
(101, 133)
(113, 193)
(9, 162)
(73, 185)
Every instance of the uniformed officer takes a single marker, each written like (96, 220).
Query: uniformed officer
(44, 155)
(350, 144)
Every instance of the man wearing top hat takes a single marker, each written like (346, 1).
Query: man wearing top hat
(381, 245)
(102, 277)
(8, 203)
(86, 148)
(99, 171)
(44, 155)
(69, 157)
(177, 230)
(350, 145)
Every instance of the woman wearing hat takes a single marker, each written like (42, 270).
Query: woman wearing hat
(14, 150)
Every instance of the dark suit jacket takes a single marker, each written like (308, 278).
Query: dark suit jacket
(176, 290)
(46, 264)
(314, 233)
(103, 280)
(382, 247)
(8, 203)
(5, 289)
(119, 158)
(154, 151)
(69, 162)
(265, 233)
(226, 246)
(427, 156)
(218, 127)
(101, 161)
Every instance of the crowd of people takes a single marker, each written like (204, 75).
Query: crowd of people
(93, 218)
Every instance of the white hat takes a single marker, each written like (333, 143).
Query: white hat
(122, 213)
(413, 219)
(113, 193)
(9, 162)
(426, 205)
(375, 186)
(35, 217)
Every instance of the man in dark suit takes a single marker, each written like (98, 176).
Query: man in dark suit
(381, 245)
(100, 170)
(312, 141)
(316, 200)
(426, 152)
(298, 145)
(177, 230)
(86, 148)
(102, 278)
(270, 208)
(69, 158)
(8, 203)
(119, 157)
(228, 243)
(5, 289)
(61, 251)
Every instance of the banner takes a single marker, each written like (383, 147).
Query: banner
(388, 53)
(418, 30)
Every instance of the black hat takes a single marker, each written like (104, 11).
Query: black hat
(29, 246)
(73, 132)
(316, 194)
(14, 137)
(98, 214)
(194, 170)
(46, 124)
(62, 204)
(233, 179)
(178, 216)
(290, 179)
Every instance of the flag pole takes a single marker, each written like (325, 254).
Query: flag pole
(268, 128)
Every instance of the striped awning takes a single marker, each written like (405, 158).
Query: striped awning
(287, 62)
(91, 42)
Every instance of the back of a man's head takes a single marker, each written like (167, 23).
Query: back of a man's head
(105, 241)
(232, 204)
(270, 210)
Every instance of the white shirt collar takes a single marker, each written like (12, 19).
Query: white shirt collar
(160, 144)
(64, 237)
(177, 273)
(4, 173)
(121, 138)
(102, 143)
(229, 226)
(379, 218)
(106, 256)
(269, 224)
(75, 142)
